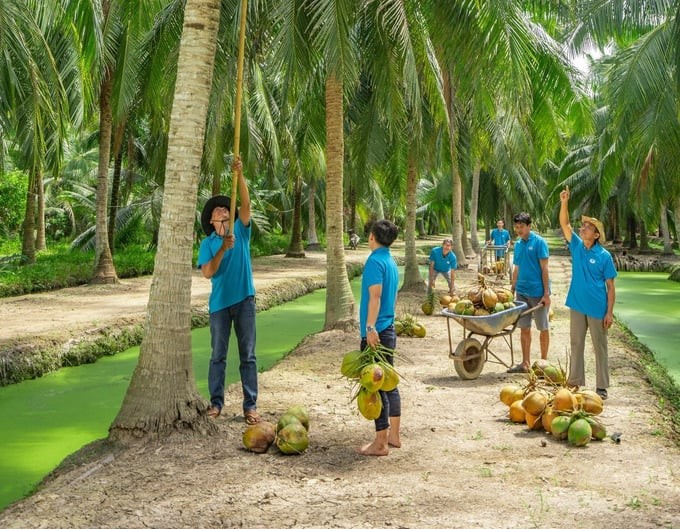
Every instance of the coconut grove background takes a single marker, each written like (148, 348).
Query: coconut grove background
(116, 124)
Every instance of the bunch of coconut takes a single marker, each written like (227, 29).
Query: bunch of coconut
(408, 325)
(433, 298)
(483, 299)
(545, 405)
(370, 371)
(290, 433)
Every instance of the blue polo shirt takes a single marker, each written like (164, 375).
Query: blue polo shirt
(233, 281)
(590, 269)
(500, 237)
(379, 269)
(443, 263)
(528, 255)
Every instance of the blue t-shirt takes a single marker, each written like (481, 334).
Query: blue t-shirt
(379, 269)
(233, 281)
(590, 269)
(443, 263)
(528, 256)
(500, 237)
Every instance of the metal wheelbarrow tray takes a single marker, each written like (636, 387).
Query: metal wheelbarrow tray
(470, 355)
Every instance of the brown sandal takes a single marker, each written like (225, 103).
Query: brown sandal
(213, 412)
(252, 417)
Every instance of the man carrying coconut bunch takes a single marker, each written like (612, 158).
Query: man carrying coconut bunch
(590, 297)
(224, 258)
(379, 284)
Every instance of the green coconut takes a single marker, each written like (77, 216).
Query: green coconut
(391, 379)
(285, 420)
(372, 377)
(351, 364)
(292, 439)
(370, 404)
(579, 433)
(560, 426)
(599, 431)
(301, 413)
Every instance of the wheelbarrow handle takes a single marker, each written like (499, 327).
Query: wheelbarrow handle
(532, 309)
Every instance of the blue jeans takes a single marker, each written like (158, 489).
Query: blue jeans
(391, 400)
(242, 315)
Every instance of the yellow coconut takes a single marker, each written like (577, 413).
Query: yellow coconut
(533, 421)
(591, 402)
(535, 402)
(445, 300)
(509, 393)
(547, 418)
(564, 400)
(517, 413)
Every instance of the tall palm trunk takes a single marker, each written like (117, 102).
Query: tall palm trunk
(115, 184)
(295, 248)
(340, 305)
(312, 237)
(413, 281)
(162, 396)
(40, 239)
(474, 205)
(667, 243)
(28, 229)
(456, 186)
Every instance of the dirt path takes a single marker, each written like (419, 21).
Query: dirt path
(461, 465)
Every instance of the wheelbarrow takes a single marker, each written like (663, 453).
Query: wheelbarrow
(470, 354)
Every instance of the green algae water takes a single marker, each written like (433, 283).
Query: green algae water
(648, 303)
(46, 419)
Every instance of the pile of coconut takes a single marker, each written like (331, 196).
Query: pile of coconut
(546, 402)
(290, 433)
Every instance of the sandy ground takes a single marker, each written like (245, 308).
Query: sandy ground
(462, 464)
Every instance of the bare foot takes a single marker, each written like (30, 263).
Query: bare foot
(373, 449)
(396, 443)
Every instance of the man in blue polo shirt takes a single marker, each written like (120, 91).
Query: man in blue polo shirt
(224, 258)
(499, 237)
(443, 261)
(531, 284)
(379, 284)
(590, 297)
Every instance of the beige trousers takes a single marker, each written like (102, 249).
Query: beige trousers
(579, 324)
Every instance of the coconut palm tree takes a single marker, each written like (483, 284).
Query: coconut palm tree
(162, 393)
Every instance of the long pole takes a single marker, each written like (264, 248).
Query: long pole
(237, 109)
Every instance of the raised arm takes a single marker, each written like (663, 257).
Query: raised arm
(564, 214)
(244, 195)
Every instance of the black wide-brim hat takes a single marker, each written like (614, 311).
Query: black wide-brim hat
(218, 201)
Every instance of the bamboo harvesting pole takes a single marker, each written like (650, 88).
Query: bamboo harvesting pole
(237, 110)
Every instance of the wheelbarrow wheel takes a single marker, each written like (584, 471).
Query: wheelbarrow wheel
(469, 359)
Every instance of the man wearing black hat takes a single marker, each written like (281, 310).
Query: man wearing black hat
(590, 297)
(224, 258)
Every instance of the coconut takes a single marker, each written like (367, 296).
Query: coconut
(293, 439)
(285, 420)
(391, 379)
(351, 364)
(419, 331)
(599, 431)
(427, 308)
(370, 404)
(553, 374)
(560, 426)
(591, 402)
(547, 418)
(489, 298)
(533, 421)
(564, 400)
(258, 437)
(535, 402)
(517, 413)
(372, 377)
(579, 433)
(445, 300)
(301, 413)
(509, 393)
(504, 295)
